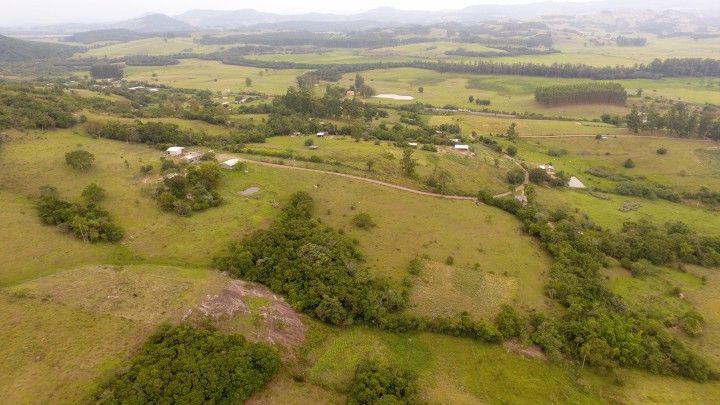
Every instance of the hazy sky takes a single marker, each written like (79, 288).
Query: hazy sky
(23, 12)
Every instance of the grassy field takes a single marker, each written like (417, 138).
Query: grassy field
(688, 165)
(484, 125)
(469, 174)
(215, 76)
(65, 333)
(516, 93)
(607, 213)
(151, 46)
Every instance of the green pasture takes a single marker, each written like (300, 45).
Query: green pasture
(487, 124)
(150, 46)
(216, 76)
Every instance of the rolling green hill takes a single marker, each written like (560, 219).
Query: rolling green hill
(18, 50)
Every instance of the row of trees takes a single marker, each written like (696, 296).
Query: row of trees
(680, 119)
(658, 68)
(582, 93)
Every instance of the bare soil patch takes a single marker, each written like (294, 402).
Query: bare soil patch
(255, 310)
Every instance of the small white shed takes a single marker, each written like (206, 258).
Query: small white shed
(462, 148)
(230, 163)
(175, 150)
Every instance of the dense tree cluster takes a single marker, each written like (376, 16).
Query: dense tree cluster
(28, 107)
(333, 104)
(630, 41)
(191, 190)
(377, 383)
(582, 93)
(88, 222)
(318, 269)
(597, 327)
(675, 241)
(106, 71)
(181, 364)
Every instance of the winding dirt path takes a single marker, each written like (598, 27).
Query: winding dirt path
(380, 182)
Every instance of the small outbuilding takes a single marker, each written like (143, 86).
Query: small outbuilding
(575, 183)
(230, 163)
(462, 148)
(313, 147)
(413, 144)
(350, 93)
(175, 150)
(322, 134)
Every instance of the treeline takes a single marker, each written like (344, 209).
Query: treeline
(680, 119)
(582, 93)
(163, 135)
(598, 328)
(24, 106)
(181, 364)
(630, 41)
(501, 51)
(675, 67)
(150, 60)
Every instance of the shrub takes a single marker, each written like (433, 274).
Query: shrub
(89, 223)
(692, 323)
(449, 260)
(93, 193)
(511, 150)
(181, 364)
(309, 142)
(629, 163)
(363, 220)
(661, 151)
(516, 176)
(508, 322)
(557, 151)
(415, 266)
(79, 159)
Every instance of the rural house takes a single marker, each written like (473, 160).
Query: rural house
(230, 163)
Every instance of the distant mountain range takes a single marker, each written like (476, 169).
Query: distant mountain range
(379, 17)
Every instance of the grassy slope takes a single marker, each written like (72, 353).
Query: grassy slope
(469, 174)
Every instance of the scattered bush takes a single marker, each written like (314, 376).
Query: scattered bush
(516, 176)
(363, 220)
(661, 151)
(80, 159)
(629, 163)
(93, 193)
